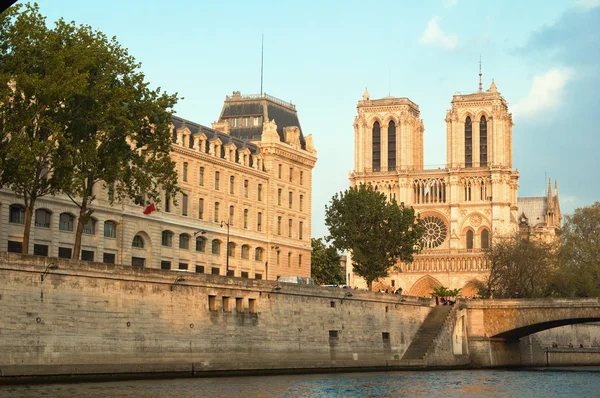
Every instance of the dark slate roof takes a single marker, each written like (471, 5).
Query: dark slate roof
(196, 129)
(270, 108)
(534, 209)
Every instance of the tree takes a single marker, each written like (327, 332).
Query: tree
(35, 83)
(325, 264)
(520, 267)
(117, 130)
(443, 291)
(378, 232)
(579, 273)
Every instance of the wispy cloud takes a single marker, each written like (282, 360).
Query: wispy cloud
(433, 35)
(586, 5)
(545, 94)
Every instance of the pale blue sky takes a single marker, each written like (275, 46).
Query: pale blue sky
(544, 56)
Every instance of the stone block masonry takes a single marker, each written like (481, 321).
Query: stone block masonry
(99, 319)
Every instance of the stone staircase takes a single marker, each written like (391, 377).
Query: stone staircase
(427, 333)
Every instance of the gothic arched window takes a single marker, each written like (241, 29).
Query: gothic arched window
(469, 239)
(485, 239)
(483, 142)
(391, 145)
(376, 146)
(468, 142)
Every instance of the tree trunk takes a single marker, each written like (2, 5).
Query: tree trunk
(370, 284)
(79, 230)
(27, 231)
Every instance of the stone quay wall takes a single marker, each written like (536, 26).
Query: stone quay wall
(103, 319)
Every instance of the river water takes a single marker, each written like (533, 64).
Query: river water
(552, 382)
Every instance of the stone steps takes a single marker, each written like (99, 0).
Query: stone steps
(427, 333)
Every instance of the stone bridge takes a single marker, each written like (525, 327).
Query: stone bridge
(490, 330)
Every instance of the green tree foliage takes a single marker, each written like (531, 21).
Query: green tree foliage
(100, 121)
(579, 274)
(325, 264)
(35, 83)
(520, 267)
(377, 232)
(443, 291)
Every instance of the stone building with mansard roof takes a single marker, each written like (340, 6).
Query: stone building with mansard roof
(463, 205)
(252, 169)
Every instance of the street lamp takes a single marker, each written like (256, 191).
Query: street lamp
(49, 267)
(226, 223)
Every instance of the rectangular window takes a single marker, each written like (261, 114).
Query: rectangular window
(231, 185)
(214, 271)
(110, 230)
(216, 218)
(167, 203)
(289, 259)
(290, 228)
(245, 218)
(199, 269)
(333, 334)
(252, 305)
(15, 247)
(300, 227)
(108, 258)
(41, 250)
(184, 205)
(290, 199)
(65, 252)
(234, 122)
(239, 304)
(185, 171)
(301, 177)
(231, 215)
(245, 188)
(301, 202)
(183, 266)
(244, 274)
(259, 193)
(165, 265)
(226, 304)
(87, 255)
(138, 262)
(279, 170)
(279, 225)
(246, 122)
(279, 197)
(201, 208)
(231, 273)
(111, 193)
(299, 260)
(291, 173)
(217, 180)
(212, 303)
(259, 222)
(258, 276)
(256, 121)
(201, 176)
(385, 336)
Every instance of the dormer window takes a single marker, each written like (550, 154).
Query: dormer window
(234, 122)
(246, 122)
(256, 121)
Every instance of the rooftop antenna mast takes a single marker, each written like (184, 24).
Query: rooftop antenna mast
(480, 85)
(262, 51)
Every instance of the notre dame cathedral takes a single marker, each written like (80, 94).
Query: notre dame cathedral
(462, 206)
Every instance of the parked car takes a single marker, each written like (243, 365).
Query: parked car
(296, 279)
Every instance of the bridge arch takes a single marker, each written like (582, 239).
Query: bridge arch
(517, 333)
(424, 286)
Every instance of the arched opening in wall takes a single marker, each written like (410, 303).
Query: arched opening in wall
(483, 142)
(471, 289)
(43, 218)
(376, 140)
(468, 142)
(141, 250)
(66, 222)
(16, 214)
(424, 286)
(485, 239)
(392, 145)
(469, 239)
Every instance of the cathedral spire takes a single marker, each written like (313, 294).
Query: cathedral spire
(480, 83)
(366, 95)
(549, 200)
(556, 188)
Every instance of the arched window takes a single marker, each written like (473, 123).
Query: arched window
(258, 254)
(90, 227)
(216, 247)
(110, 229)
(391, 145)
(66, 222)
(485, 239)
(469, 239)
(184, 241)
(200, 244)
(231, 249)
(245, 252)
(167, 238)
(468, 142)
(42, 218)
(17, 214)
(483, 142)
(376, 146)
(138, 242)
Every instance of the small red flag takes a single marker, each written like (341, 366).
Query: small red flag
(149, 209)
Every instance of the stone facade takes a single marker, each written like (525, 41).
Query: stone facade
(260, 184)
(462, 206)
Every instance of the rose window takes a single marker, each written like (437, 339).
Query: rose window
(435, 232)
